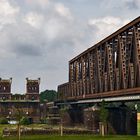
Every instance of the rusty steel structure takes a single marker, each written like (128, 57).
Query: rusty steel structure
(110, 68)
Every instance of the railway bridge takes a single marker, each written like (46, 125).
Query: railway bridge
(109, 71)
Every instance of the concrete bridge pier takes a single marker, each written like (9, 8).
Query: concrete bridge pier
(74, 115)
(122, 120)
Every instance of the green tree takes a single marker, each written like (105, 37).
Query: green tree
(18, 114)
(103, 117)
(63, 110)
(3, 121)
(49, 95)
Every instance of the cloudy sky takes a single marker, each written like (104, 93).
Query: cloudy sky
(39, 37)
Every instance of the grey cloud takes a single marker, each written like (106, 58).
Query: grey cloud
(132, 4)
(27, 50)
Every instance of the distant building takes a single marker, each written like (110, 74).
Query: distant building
(29, 103)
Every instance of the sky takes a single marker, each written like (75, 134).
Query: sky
(39, 37)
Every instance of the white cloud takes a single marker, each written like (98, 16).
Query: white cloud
(107, 20)
(34, 19)
(8, 13)
(62, 10)
(53, 29)
(124, 5)
(107, 25)
(38, 3)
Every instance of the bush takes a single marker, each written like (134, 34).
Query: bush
(3, 121)
(25, 121)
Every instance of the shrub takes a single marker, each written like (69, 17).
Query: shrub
(3, 121)
(25, 121)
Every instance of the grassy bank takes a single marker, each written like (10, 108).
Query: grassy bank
(72, 137)
(45, 137)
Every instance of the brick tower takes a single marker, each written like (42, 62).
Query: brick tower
(5, 89)
(32, 89)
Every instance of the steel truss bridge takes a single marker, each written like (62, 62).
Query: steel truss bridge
(109, 70)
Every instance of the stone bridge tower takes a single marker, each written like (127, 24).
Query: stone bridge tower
(32, 89)
(5, 89)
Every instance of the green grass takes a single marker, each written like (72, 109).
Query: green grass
(45, 137)
(139, 128)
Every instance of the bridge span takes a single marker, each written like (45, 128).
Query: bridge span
(109, 70)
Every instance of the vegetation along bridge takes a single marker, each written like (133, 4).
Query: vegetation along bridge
(109, 70)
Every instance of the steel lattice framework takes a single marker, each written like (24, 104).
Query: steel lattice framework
(110, 68)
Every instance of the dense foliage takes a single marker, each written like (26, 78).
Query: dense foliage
(24, 121)
(3, 121)
(134, 105)
(103, 113)
(48, 95)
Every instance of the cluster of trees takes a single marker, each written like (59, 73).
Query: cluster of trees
(23, 121)
(48, 95)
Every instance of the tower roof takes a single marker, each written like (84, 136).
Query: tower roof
(6, 80)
